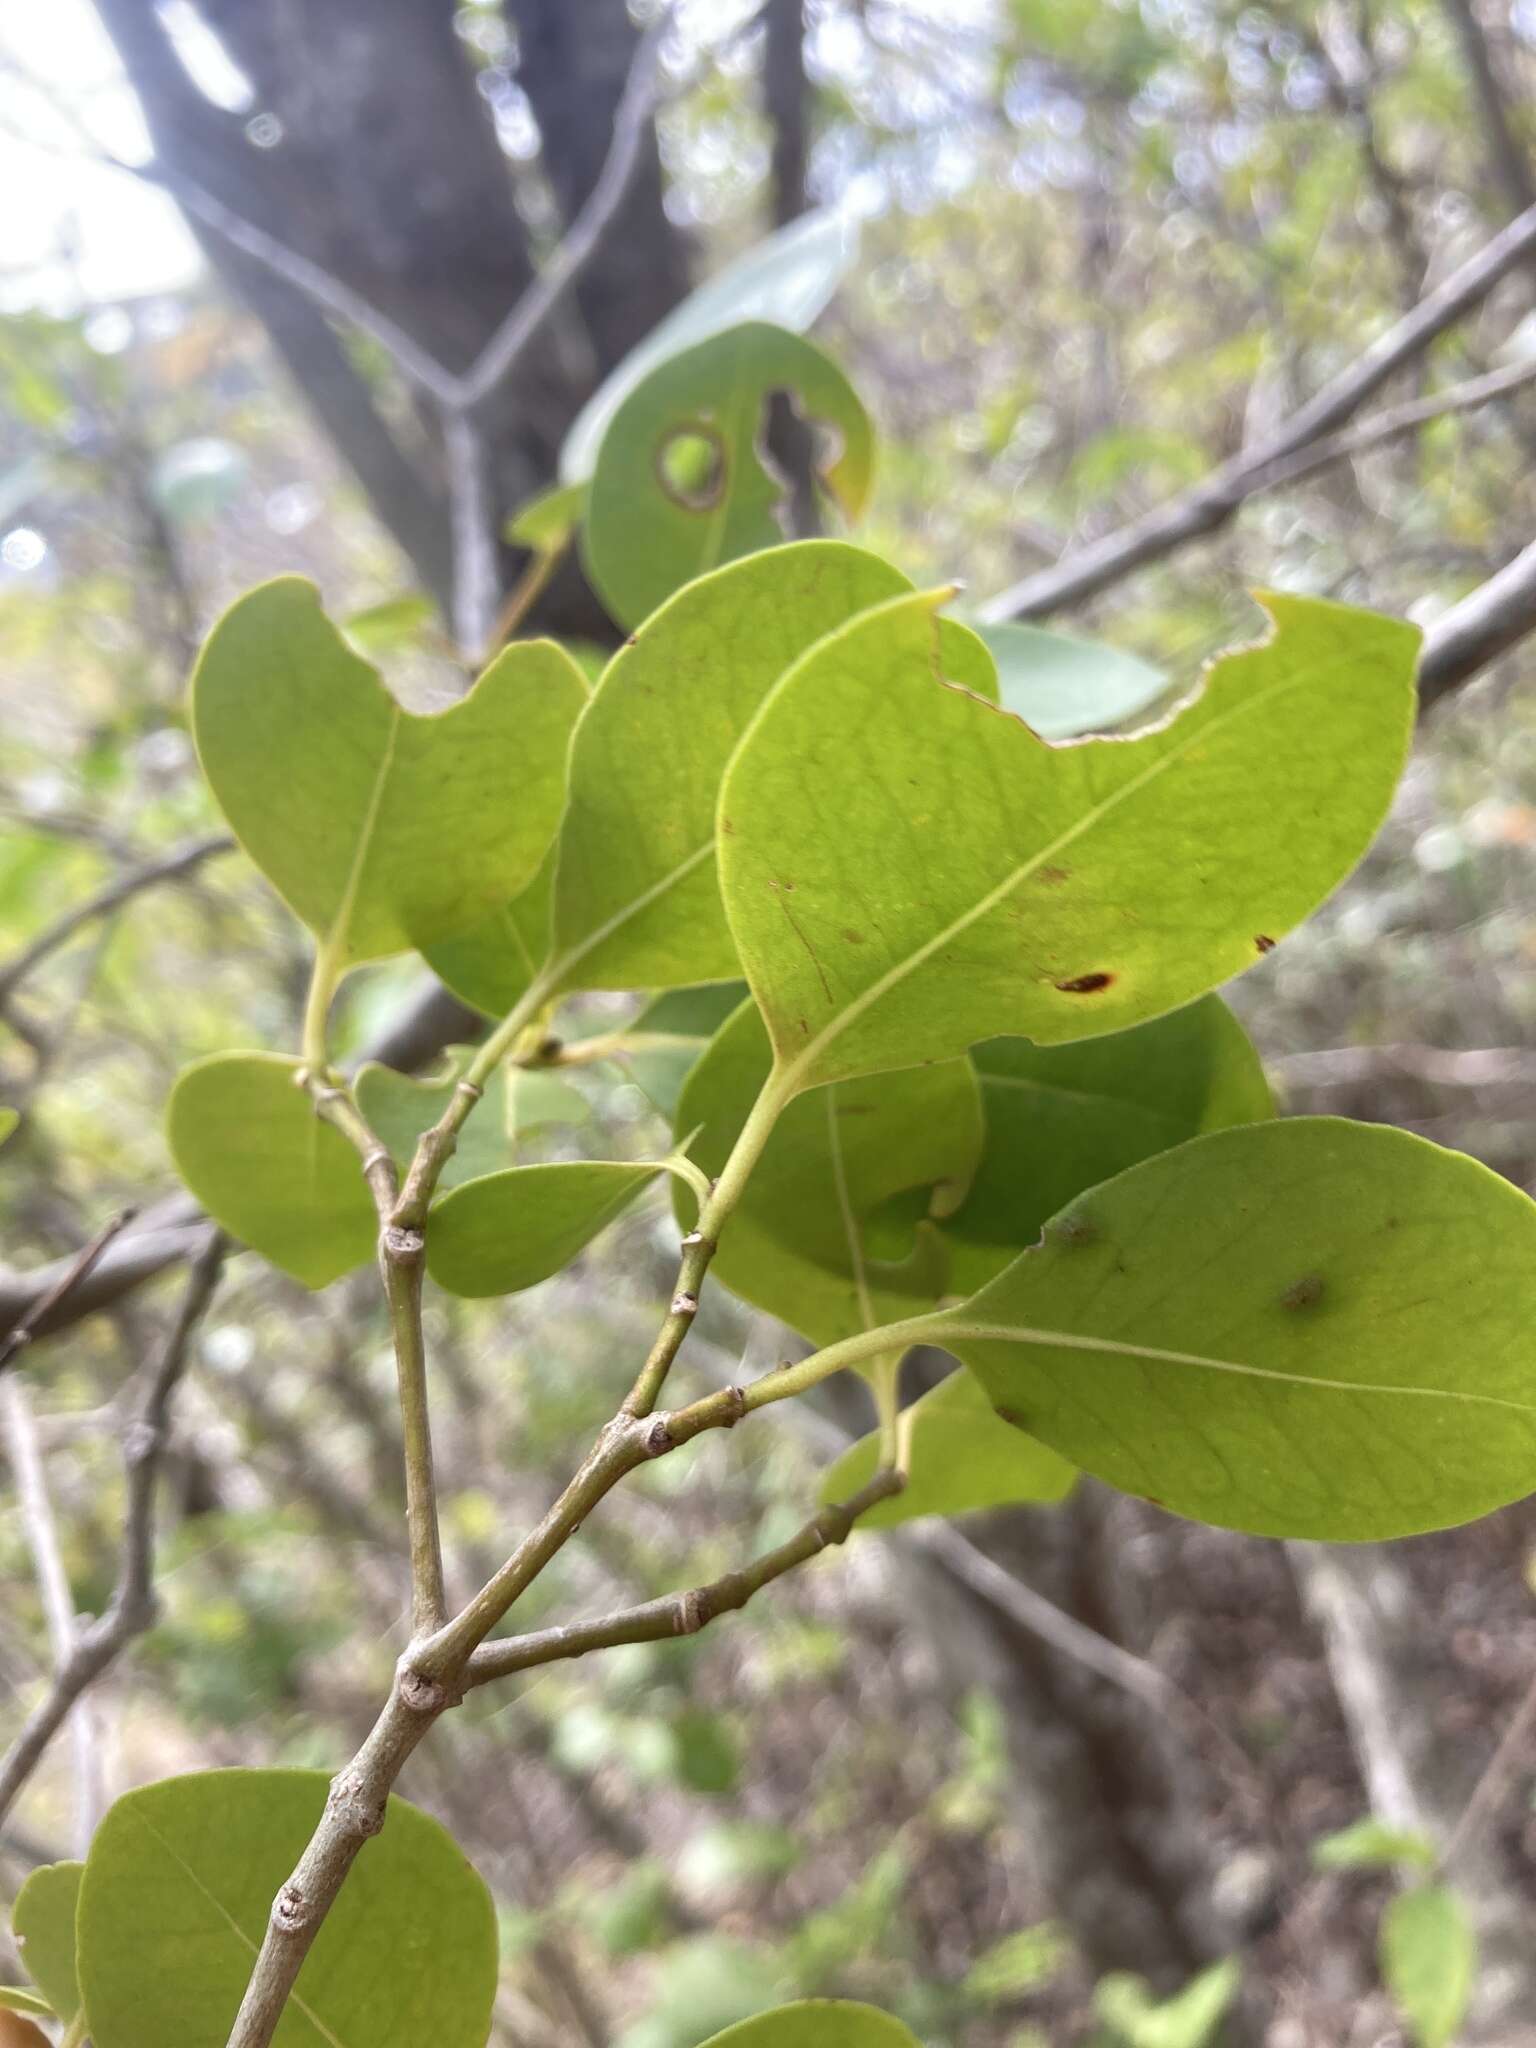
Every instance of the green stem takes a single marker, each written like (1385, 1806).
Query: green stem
(75, 2038)
(327, 973)
(884, 1376)
(700, 1244)
(401, 1255)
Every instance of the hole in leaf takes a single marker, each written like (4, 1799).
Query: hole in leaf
(691, 467)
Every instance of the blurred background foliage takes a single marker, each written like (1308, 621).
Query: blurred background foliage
(1105, 243)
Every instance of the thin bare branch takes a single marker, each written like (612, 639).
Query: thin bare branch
(682, 1614)
(1214, 500)
(57, 1285)
(131, 1611)
(173, 867)
(1487, 623)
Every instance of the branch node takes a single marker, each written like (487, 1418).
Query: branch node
(379, 1156)
(424, 1695)
(470, 1089)
(697, 1241)
(693, 1611)
(290, 1910)
(685, 1304)
(402, 1247)
(659, 1438)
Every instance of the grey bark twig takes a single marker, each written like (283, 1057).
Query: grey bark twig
(682, 1614)
(1214, 500)
(131, 1610)
(62, 1281)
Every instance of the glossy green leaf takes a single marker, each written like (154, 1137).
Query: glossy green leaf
(1369, 1844)
(681, 484)
(382, 829)
(399, 1108)
(513, 1229)
(671, 1033)
(1063, 688)
(817, 2023)
(907, 871)
(637, 904)
(959, 1455)
(247, 1142)
(832, 1233)
(1428, 1957)
(43, 1922)
(1305, 1328)
(789, 278)
(174, 1904)
(1061, 1118)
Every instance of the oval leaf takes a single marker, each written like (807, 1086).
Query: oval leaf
(174, 1904)
(249, 1145)
(789, 278)
(995, 884)
(830, 1234)
(1308, 1328)
(959, 1455)
(492, 965)
(1063, 688)
(339, 794)
(1061, 1118)
(1428, 1955)
(680, 484)
(43, 1922)
(671, 1033)
(817, 2023)
(513, 1229)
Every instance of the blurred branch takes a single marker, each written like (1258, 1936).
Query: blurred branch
(41, 1532)
(55, 1288)
(1346, 1065)
(1487, 623)
(681, 1614)
(82, 1656)
(1510, 162)
(173, 867)
(1214, 500)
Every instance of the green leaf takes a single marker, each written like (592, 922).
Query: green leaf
(817, 2023)
(636, 900)
(1061, 1118)
(1187, 2020)
(907, 872)
(681, 485)
(381, 829)
(1063, 687)
(513, 1229)
(547, 522)
(397, 622)
(43, 1922)
(788, 278)
(492, 965)
(399, 1108)
(706, 1755)
(832, 1232)
(174, 1904)
(959, 1455)
(670, 1034)
(1370, 1844)
(247, 1142)
(9, 1119)
(1305, 1328)
(16, 1998)
(1428, 1956)
(1019, 1963)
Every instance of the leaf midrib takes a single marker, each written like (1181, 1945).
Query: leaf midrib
(1068, 1340)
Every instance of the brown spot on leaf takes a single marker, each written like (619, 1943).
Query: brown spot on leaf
(1264, 943)
(727, 828)
(1052, 876)
(1015, 1416)
(1072, 1229)
(1303, 1293)
(854, 938)
(1085, 984)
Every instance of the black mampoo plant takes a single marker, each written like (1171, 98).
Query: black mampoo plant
(967, 1085)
